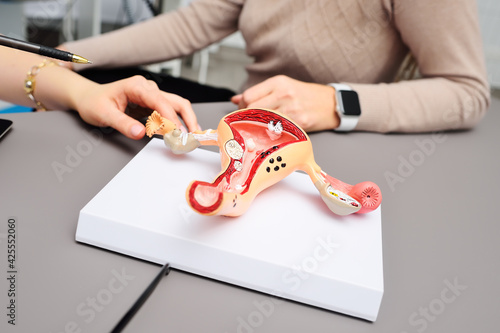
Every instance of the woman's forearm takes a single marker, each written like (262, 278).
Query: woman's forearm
(61, 89)
(55, 87)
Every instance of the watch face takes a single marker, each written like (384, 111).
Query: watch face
(350, 102)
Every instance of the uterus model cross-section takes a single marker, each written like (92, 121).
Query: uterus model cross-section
(258, 148)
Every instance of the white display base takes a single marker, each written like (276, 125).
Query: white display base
(287, 244)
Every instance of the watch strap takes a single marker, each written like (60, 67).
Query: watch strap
(347, 122)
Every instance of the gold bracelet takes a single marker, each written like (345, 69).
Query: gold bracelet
(30, 82)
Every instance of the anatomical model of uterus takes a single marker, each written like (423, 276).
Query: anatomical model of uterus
(258, 148)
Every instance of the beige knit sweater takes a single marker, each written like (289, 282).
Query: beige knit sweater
(358, 42)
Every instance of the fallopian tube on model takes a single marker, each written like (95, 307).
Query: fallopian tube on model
(258, 148)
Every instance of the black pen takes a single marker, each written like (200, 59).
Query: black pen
(42, 50)
(141, 300)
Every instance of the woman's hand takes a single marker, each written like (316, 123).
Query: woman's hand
(105, 105)
(310, 105)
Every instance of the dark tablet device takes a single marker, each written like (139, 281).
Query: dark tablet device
(5, 125)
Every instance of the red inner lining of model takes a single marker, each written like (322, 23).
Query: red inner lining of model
(237, 122)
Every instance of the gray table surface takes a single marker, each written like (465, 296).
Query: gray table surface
(440, 235)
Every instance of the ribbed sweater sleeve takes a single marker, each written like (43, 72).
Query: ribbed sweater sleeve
(453, 92)
(164, 37)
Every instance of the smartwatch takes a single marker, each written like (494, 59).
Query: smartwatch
(347, 107)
